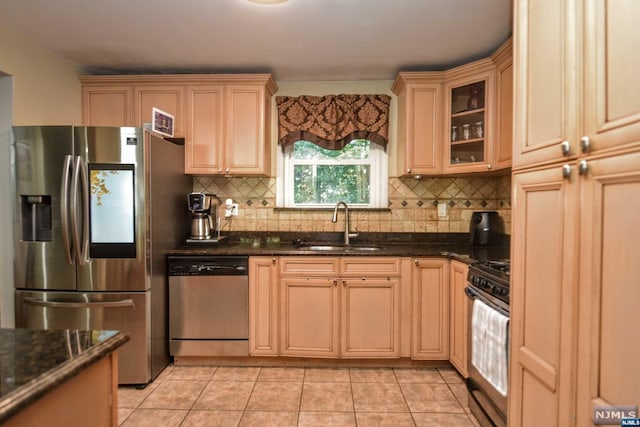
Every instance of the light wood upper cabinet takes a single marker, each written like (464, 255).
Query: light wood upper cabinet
(168, 98)
(419, 122)
(205, 129)
(456, 121)
(263, 306)
(430, 315)
(546, 82)
(469, 109)
(229, 132)
(224, 118)
(107, 104)
(459, 317)
(612, 87)
(503, 130)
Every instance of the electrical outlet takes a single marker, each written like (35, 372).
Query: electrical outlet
(234, 209)
(442, 210)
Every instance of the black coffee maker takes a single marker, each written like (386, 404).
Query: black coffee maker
(203, 217)
(486, 228)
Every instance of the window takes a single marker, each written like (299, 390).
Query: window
(312, 176)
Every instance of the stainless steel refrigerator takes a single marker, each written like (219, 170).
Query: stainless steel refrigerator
(95, 211)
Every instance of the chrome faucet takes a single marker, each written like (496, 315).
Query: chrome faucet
(347, 235)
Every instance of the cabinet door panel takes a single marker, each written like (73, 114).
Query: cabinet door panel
(205, 132)
(310, 316)
(608, 368)
(543, 291)
(430, 338)
(370, 317)
(263, 306)
(459, 317)
(545, 80)
(612, 101)
(107, 105)
(245, 130)
(167, 98)
(503, 138)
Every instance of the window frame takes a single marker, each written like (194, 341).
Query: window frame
(379, 173)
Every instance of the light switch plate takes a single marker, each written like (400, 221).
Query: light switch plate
(442, 210)
(234, 209)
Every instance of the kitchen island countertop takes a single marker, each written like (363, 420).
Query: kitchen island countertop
(34, 362)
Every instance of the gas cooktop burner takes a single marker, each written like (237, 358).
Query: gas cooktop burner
(492, 277)
(501, 266)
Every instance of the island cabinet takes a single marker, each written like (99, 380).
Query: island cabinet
(340, 307)
(459, 317)
(430, 314)
(574, 293)
(263, 306)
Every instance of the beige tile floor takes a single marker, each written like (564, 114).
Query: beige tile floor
(272, 396)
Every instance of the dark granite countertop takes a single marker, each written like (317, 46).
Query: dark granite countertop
(454, 245)
(34, 362)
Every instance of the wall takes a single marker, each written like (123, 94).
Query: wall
(46, 89)
(412, 203)
(36, 87)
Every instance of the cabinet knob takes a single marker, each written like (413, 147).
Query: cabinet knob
(566, 171)
(226, 170)
(583, 167)
(585, 144)
(344, 282)
(565, 146)
(219, 170)
(408, 170)
(415, 261)
(335, 282)
(273, 261)
(489, 166)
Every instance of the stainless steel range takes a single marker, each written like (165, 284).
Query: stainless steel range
(488, 292)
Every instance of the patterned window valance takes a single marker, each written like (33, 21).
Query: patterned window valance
(333, 121)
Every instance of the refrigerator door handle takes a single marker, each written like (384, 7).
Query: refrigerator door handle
(64, 208)
(61, 304)
(80, 237)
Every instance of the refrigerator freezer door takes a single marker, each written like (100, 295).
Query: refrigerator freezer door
(41, 260)
(126, 312)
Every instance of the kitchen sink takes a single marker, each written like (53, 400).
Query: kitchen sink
(337, 248)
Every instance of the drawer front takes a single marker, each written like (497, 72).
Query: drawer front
(308, 265)
(370, 266)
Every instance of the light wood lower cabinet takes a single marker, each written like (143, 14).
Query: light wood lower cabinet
(263, 306)
(340, 307)
(430, 315)
(458, 331)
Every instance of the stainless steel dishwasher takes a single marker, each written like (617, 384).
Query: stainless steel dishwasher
(208, 305)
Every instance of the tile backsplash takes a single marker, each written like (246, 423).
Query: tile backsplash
(412, 205)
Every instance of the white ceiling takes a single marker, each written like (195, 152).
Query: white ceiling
(300, 40)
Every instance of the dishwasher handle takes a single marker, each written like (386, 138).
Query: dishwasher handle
(98, 304)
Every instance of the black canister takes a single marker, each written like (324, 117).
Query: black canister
(486, 228)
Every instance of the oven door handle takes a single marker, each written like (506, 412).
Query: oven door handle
(472, 293)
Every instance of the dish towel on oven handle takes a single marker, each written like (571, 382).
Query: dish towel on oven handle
(489, 345)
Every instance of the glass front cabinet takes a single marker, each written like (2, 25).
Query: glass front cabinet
(468, 123)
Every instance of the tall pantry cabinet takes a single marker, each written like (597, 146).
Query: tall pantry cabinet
(576, 181)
